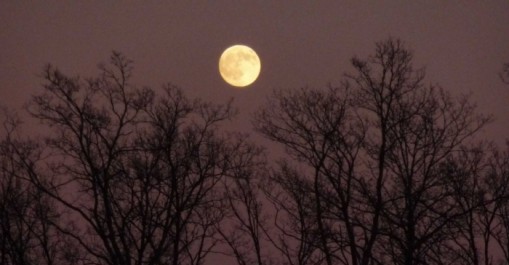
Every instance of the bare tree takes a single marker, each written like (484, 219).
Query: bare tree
(321, 203)
(470, 234)
(139, 178)
(27, 234)
(479, 177)
(417, 128)
(295, 229)
(372, 155)
(245, 229)
(495, 214)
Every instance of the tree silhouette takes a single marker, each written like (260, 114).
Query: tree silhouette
(494, 214)
(382, 169)
(27, 233)
(419, 127)
(373, 152)
(246, 225)
(139, 175)
(314, 127)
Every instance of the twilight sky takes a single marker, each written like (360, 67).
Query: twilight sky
(462, 44)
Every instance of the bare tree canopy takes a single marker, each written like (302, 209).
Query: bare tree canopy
(370, 160)
(381, 169)
(136, 177)
(27, 234)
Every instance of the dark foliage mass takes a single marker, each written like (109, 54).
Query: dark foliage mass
(383, 169)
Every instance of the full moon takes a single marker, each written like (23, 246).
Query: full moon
(239, 65)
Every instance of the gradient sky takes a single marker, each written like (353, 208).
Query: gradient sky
(462, 44)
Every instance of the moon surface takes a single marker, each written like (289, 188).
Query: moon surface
(239, 65)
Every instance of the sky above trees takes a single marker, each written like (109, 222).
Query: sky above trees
(462, 45)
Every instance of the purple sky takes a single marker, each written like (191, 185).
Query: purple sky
(462, 44)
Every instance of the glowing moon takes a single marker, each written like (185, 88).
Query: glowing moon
(239, 65)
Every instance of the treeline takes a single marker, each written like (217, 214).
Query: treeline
(382, 169)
